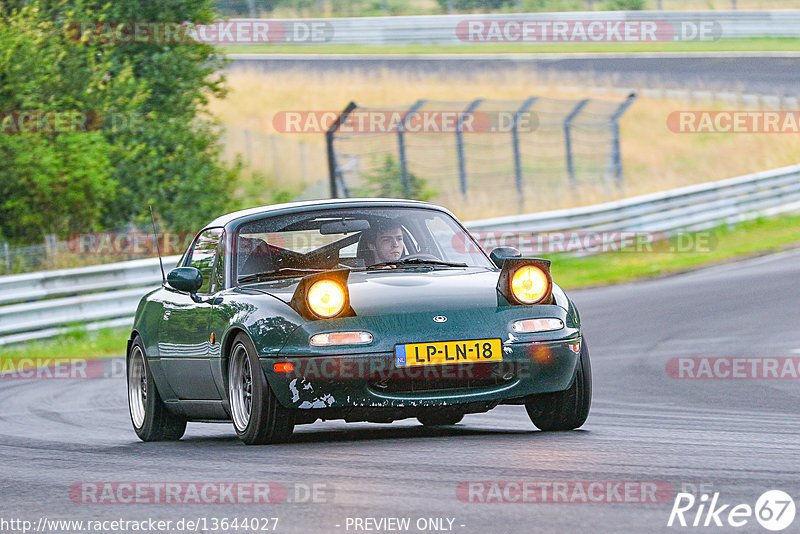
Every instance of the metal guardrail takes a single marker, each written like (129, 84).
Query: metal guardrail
(445, 29)
(43, 304)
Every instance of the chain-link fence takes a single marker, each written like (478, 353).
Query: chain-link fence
(82, 249)
(287, 159)
(519, 154)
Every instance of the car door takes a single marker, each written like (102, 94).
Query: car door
(184, 335)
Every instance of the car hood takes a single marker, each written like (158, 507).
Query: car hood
(408, 290)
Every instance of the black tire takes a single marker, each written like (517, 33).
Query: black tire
(568, 409)
(264, 420)
(150, 417)
(440, 418)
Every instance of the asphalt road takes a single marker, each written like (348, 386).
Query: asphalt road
(775, 75)
(736, 437)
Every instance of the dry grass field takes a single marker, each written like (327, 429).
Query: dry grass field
(654, 158)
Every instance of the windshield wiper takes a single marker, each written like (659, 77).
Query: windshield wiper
(417, 261)
(278, 273)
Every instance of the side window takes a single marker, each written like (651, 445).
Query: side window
(204, 252)
(219, 267)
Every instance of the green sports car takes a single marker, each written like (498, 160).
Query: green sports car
(358, 309)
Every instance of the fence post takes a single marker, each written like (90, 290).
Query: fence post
(616, 153)
(515, 144)
(7, 255)
(51, 247)
(401, 146)
(568, 137)
(332, 167)
(462, 169)
(251, 7)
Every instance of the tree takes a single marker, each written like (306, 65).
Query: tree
(160, 148)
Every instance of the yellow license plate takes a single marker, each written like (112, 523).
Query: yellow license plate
(448, 352)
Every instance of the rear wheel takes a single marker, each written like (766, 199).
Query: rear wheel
(151, 418)
(440, 418)
(257, 415)
(568, 409)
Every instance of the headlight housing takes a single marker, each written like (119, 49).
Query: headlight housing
(529, 284)
(323, 295)
(326, 298)
(526, 281)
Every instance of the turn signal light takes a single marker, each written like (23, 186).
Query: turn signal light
(537, 325)
(326, 298)
(341, 338)
(283, 367)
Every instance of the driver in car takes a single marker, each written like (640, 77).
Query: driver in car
(386, 242)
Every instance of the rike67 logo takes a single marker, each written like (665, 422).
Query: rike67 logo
(774, 510)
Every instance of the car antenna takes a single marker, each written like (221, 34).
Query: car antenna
(158, 249)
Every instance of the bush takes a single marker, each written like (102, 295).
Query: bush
(468, 5)
(624, 5)
(387, 181)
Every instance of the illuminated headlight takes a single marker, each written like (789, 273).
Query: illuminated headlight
(326, 299)
(526, 326)
(530, 284)
(341, 338)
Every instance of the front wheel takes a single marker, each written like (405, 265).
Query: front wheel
(257, 415)
(568, 409)
(151, 418)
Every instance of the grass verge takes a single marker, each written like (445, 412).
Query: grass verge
(77, 344)
(750, 238)
(722, 45)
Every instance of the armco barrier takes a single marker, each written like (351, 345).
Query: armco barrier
(43, 304)
(442, 29)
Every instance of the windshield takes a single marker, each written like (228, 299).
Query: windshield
(355, 238)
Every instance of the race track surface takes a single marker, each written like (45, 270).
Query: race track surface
(736, 437)
(778, 74)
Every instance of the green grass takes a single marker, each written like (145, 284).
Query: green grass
(723, 45)
(76, 344)
(746, 239)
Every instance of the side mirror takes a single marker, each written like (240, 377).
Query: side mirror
(501, 254)
(186, 279)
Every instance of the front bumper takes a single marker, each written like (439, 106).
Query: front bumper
(372, 379)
